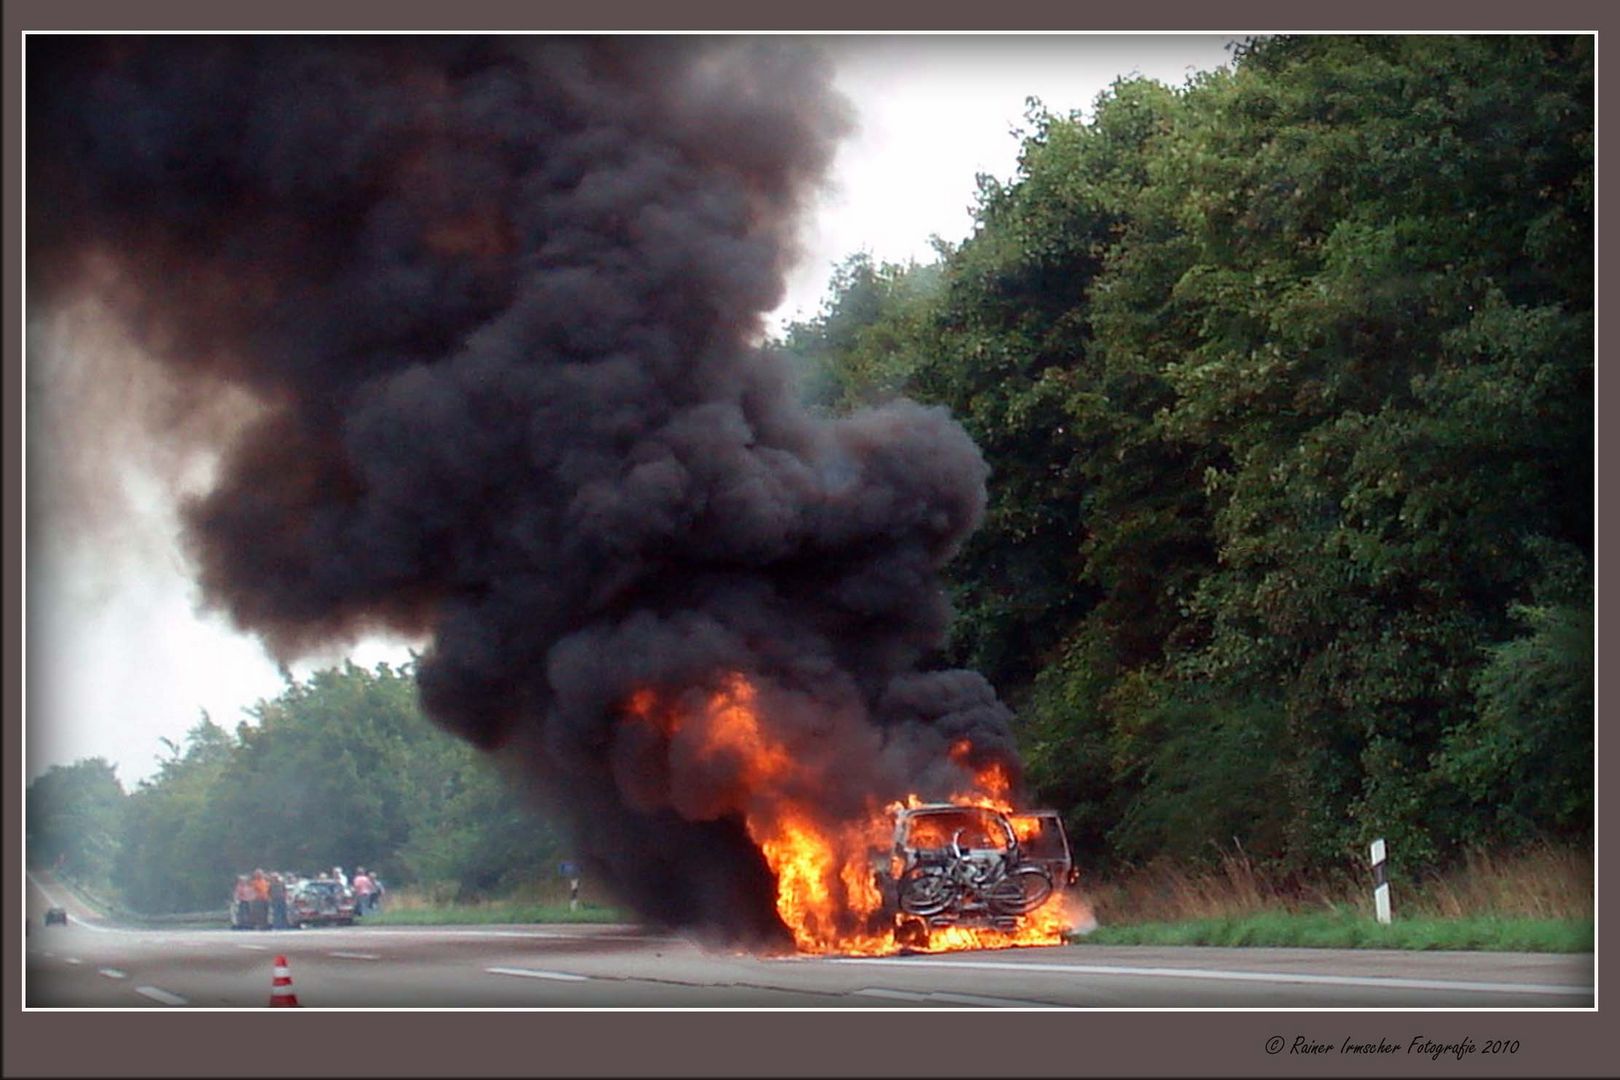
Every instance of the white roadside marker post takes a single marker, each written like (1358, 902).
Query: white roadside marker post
(1380, 882)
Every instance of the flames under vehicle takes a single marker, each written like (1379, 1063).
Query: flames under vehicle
(973, 867)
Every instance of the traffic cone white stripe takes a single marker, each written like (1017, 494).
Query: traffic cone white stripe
(281, 991)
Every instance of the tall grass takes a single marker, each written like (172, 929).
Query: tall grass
(1540, 882)
(1346, 930)
(447, 902)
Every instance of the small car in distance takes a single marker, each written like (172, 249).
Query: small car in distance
(56, 916)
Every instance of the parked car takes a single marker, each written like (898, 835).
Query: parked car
(972, 866)
(55, 916)
(320, 902)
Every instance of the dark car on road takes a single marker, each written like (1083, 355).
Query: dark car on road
(56, 916)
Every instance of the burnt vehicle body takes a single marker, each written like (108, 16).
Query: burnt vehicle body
(320, 902)
(972, 866)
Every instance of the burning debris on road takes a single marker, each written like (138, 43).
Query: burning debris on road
(497, 302)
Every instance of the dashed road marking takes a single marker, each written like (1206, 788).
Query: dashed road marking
(898, 995)
(255, 948)
(530, 973)
(950, 999)
(72, 960)
(988, 1002)
(355, 955)
(160, 995)
(113, 973)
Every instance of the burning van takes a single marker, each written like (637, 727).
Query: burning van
(974, 868)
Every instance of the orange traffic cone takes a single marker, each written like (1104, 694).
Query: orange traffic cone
(281, 990)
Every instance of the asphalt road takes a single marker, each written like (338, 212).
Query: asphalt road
(90, 963)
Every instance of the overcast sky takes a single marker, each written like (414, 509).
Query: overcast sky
(118, 654)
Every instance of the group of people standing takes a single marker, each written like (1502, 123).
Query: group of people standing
(262, 899)
(367, 890)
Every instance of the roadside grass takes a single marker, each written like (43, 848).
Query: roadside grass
(1348, 930)
(1539, 899)
(489, 912)
(440, 905)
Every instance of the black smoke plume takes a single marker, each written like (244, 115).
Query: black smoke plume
(498, 301)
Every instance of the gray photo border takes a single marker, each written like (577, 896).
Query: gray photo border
(755, 1043)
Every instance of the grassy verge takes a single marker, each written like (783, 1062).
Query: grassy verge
(491, 912)
(1536, 900)
(1348, 930)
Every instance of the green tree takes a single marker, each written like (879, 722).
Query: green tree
(172, 857)
(1285, 381)
(341, 769)
(476, 831)
(320, 779)
(863, 346)
(74, 820)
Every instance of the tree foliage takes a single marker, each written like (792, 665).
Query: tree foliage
(73, 819)
(340, 770)
(1285, 381)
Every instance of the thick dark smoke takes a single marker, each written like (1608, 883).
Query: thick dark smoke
(498, 300)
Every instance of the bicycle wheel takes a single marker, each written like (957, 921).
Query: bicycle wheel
(926, 890)
(1023, 890)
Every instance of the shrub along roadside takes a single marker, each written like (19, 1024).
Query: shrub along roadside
(493, 912)
(1348, 930)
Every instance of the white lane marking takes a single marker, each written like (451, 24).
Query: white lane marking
(113, 973)
(355, 955)
(255, 948)
(72, 960)
(1388, 982)
(898, 995)
(530, 973)
(988, 1002)
(951, 999)
(159, 995)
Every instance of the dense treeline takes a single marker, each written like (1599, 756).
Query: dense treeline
(1285, 378)
(340, 770)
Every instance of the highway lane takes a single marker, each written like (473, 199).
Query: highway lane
(611, 967)
(89, 964)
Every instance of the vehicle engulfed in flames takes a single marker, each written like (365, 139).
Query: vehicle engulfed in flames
(962, 871)
(971, 868)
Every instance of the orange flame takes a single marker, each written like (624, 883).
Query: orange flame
(827, 892)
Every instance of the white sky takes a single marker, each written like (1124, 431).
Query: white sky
(119, 655)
